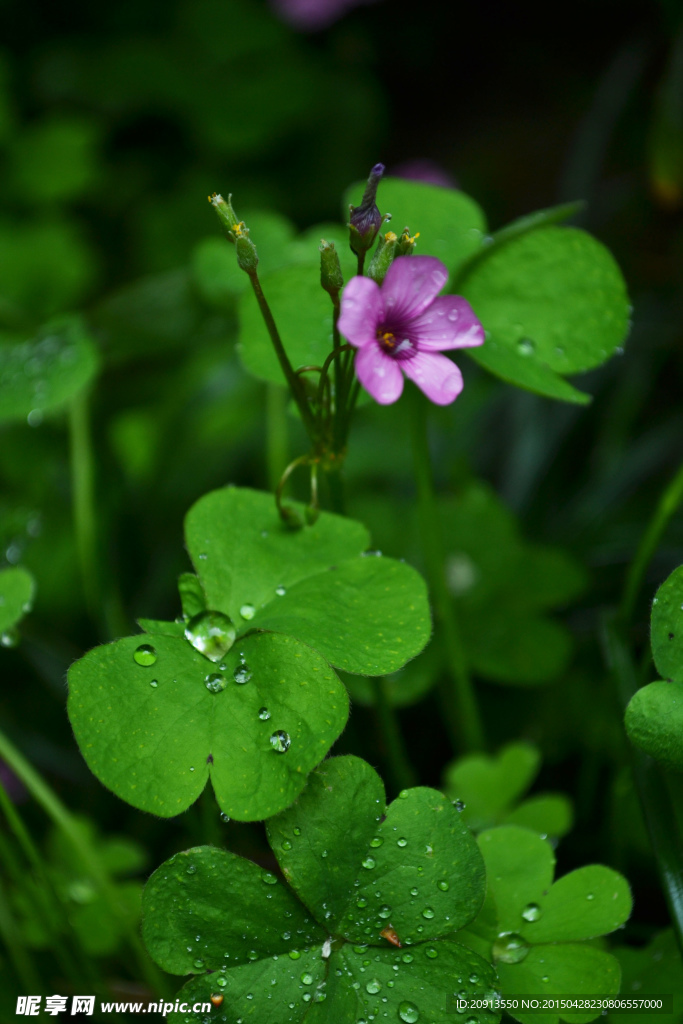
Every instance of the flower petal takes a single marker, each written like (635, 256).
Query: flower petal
(379, 374)
(448, 323)
(412, 282)
(436, 375)
(361, 311)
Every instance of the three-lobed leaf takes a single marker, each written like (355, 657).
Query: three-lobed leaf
(279, 957)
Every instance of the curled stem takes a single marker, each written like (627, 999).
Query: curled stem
(288, 514)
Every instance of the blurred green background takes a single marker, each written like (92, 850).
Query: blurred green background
(116, 121)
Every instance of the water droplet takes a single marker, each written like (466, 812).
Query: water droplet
(384, 912)
(199, 963)
(510, 948)
(408, 1012)
(269, 878)
(154, 682)
(294, 954)
(443, 885)
(286, 845)
(590, 896)
(471, 1020)
(224, 816)
(211, 633)
(307, 978)
(428, 913)
(377, 841)
(221, 981)
(360, 903)
(280, 591)
(525, 347)
(190, 869)
(145, 655)
(369, 863)
(264, 715)
(191, 769)
(401, 842)
(296, 830)
(403, 795)
(247, 611)
(407, 958)
(459, 805)
(280, 741)
(252, 955)
(414, 891)
(215, 682)
(373, 986)
(531, 912)
(431, 952)
(474, 978)
(9, 638)
(242, 674)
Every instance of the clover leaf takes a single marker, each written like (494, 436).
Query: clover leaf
(491, 790)
(17, 589)
(241, 692)
(43, 373)
(654, 716)
(532, 928)
(323, 948)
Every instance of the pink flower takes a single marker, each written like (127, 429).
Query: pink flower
(401, 327)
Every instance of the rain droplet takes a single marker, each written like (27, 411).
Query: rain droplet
(590, 896)
(360, 903)
(294, 954)
(286, 845)
(221, 981)
(401, 842)
(510, 948)
(431, 952)
(373, 986)
(224, 816)
(242, 674)
(199, 963)
(215, 682)
(408, 1012)
(384, 912)
(369, 863)
(428, 913)
(252, 955)
(269, 878)
(443, 885)
(9, 638)
(474, 978)
(247, 611)
(144, 655)
(377, 841)
(211, 633)
(297, 831)
(154, 682)
(264, 714)
(459, 805)
(414, 891)
(403, 795)
(407, 958)
(307, 978)
(525, 347)
(531, 912)
(280, 741)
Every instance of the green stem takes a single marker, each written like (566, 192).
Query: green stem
(22, 959)
(667, 505)
(457, 694)
(82, 477)
(667, 844)
(295, 385)
(51, 900)
(400, 768)
(84, 852)
(277, 439)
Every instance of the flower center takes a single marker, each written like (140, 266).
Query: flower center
(398, 348)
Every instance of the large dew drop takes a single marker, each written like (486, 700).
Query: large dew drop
(242, 674)
(408, 1012)
(211, 633)
(145, 655)
(280, 741)
(510, 948)
(215, 682)
(531, 912)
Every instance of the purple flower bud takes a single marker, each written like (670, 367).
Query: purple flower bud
(366, 220)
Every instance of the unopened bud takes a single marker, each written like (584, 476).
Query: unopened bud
(406, 242)
(330, 269)
(383, 257)
(366, 220)
(226, 215)
(247, 257)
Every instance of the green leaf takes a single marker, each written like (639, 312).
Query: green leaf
(553, 301)
(17, 592)
(45, 373)
(654, 722)
(192, 596)
(47, 267)
(176, 629)
(366, 615)
(272, 961)
(490, 786)
(303, 314)
(157, 745)
(532, 925)
(667, 627)
(450, 223)
(404, 688)
(514, 366)
(550, 814)
(65, 145)
(516, 648)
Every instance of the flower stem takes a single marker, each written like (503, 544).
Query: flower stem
(84, 853)
(667, 505)
(660, 819)
(294, 382)
(85, 520)
(277, 439)
(457, 694)
(393, 747)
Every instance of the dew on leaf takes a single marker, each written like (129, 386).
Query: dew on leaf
(280, 741)
(211, 633)
(294, 954)
(531, 912)
(224, 816)
(408, 1012)
(428, 913)
(247, 611)
(474, 978)
(407, 958)
(510, 948)
(443, 885)
(153, 682)
(431, 952)
(215, 682)
(190, 869)
(199, 963)
(144, 655)
(377, 841)
(384, 912)
(401, 842)
(373, 986)
(590, 896)
(264, 715)
(242, 674)
(369, 863)
(221, 981)
(525, 347)
(280, 591)
(306, 978)
(269, 878)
